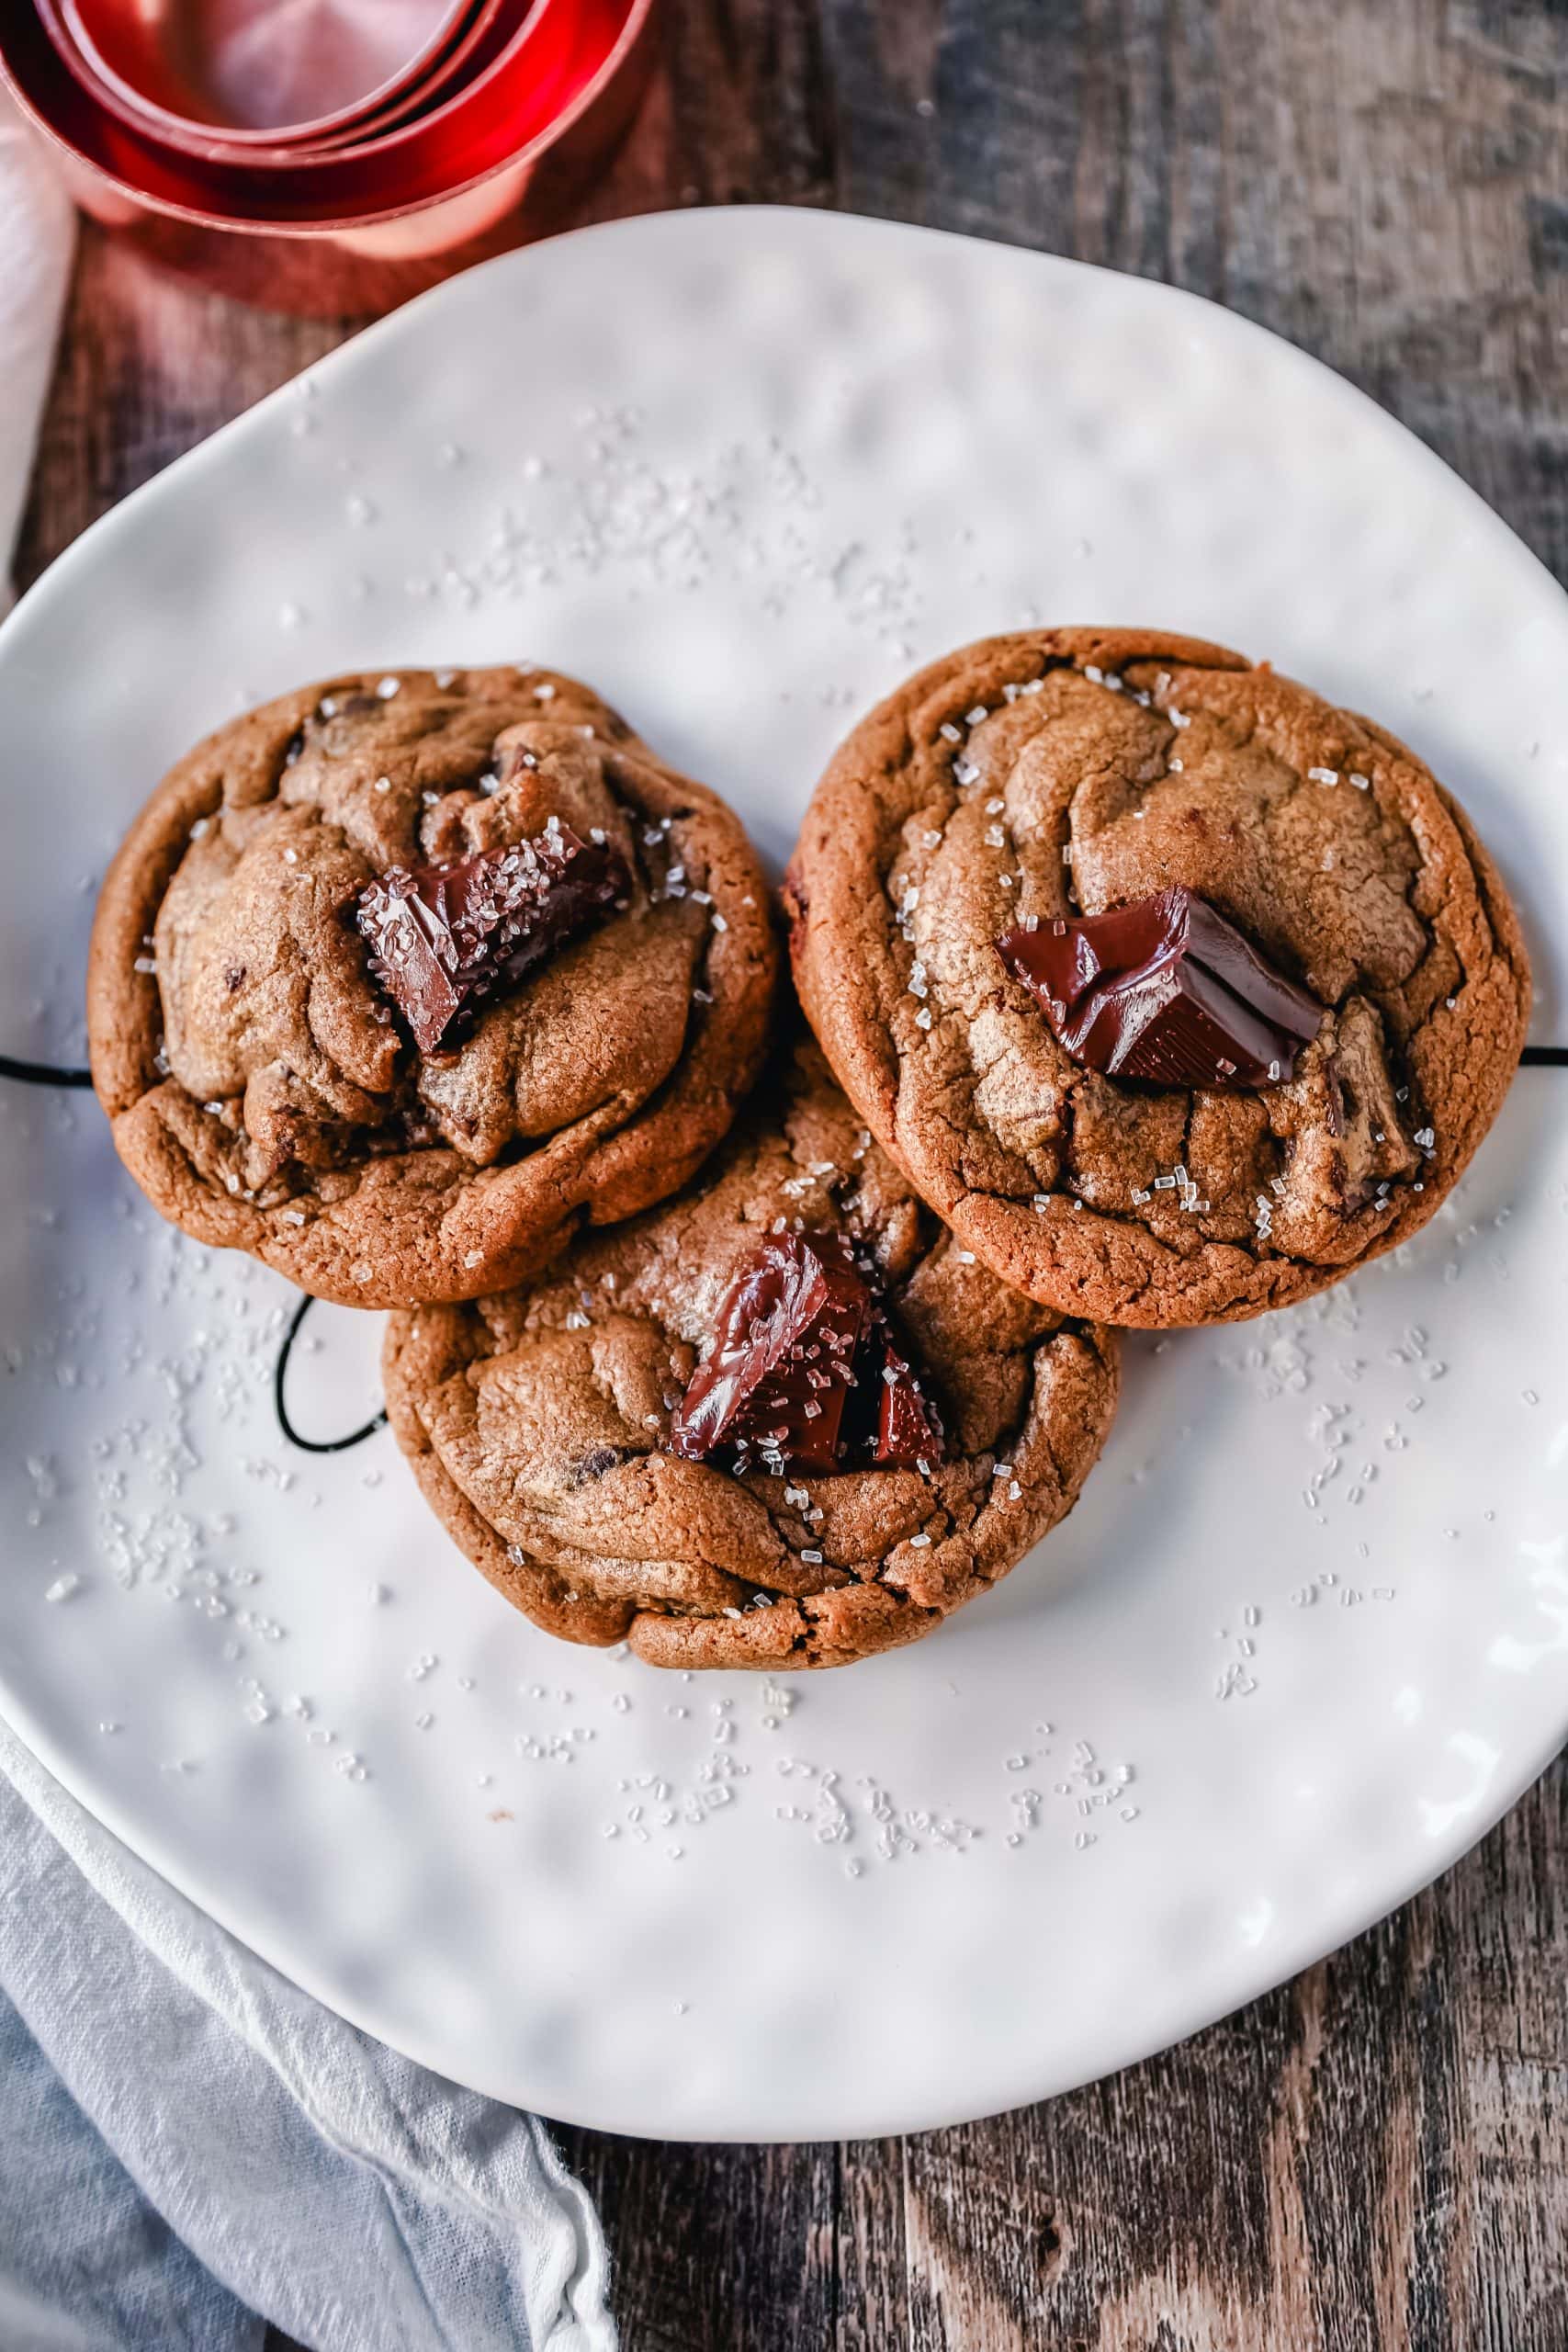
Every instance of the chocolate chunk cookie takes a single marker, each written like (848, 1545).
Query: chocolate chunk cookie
(554, 1428)
(1272, 1063)
(399, 980)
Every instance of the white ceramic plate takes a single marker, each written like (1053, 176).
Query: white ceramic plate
(1306, 1636)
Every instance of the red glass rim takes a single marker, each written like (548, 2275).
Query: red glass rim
(481, 39)
(476, 45)
(518, 27)
(135, 68)
(525, 102)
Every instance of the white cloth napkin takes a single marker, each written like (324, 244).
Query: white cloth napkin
(187, 2141)
(190, 2145)
(38, 230)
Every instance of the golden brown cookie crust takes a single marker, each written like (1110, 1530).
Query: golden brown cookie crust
(232, 1021)
(1089, 767)
(537, 1422)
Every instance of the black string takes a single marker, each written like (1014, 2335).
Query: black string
(49, 1074)
(312, 1444)
(42, 1073)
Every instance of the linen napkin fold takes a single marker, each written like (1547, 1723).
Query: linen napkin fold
(190, 2145)
(38, 230)
(187, 2141)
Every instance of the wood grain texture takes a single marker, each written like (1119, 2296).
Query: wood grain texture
(1376, 2156)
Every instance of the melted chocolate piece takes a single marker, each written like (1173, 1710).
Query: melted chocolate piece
(908, 1431)
(800, 1339)
(444, 938)
(783, 1356)
(1165, 989)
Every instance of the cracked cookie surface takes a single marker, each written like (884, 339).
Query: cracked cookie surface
(262, 1088)
(1064, 772)
(538, 1422)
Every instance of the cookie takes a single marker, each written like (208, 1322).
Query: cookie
(1272, 1063)
(399, 980)
(565, 1432)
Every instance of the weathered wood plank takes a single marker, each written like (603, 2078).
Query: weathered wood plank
(717, 2249)
(1376, 2157)
(148, 367)
(1373, 2159)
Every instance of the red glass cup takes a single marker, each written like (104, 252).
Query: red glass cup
(195, 71)
(359, 230)
(518, 45)
(479, 42)
(542, 47)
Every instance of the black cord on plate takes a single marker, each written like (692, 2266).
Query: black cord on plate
(50, 1074)
(42, 1073)
(312, 1444)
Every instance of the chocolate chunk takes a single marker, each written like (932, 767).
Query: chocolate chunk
(783, 1356)
(444, 938)
(1165, 989)
(908, 1430)
(597, 1461)
(799, 1343)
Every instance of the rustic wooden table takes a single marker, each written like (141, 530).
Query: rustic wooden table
(1377, 2154)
